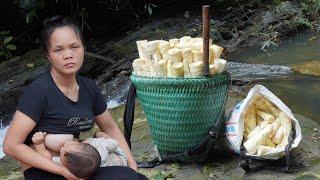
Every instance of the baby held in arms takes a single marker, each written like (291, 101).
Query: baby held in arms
(81, 158)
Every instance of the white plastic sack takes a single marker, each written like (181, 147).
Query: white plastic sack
(235, 123)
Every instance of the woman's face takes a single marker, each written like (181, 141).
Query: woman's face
(65, 51)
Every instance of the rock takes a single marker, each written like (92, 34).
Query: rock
(312, 67)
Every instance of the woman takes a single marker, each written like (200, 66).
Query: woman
(59, 102)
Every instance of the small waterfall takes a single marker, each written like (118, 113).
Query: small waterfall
(257, 71)
(113, 103)
(3, 131)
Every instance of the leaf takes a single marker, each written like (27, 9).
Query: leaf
(27, 19)
(30, 65)
(7, 39)
(30, 16)
(3, 33)
(149, 10)
(273, 44)
(153, 5)
(11, 47)
(1, 53)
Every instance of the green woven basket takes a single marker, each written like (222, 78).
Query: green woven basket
(180, 111)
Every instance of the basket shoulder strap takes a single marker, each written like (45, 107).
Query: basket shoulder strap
(128, 116)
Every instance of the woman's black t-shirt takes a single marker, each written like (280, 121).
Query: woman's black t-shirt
(55, 113)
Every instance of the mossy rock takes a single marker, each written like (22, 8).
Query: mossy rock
(311, 67)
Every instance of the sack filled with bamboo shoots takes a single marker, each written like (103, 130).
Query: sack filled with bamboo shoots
(261, 125)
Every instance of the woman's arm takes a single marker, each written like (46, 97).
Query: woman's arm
(107, 125)
(14, 146)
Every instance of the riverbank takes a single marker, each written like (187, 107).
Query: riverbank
(221, 165)
(234, 30)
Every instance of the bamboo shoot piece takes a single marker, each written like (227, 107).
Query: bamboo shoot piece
(173, 42)
(164, 48)
(196, 68)
(137, 66)
(254, 142)
(286, 128)
(174, 55)
(258, 129)
(277, 138)
(161, 68)
(197, 55)
(177, 69)
(250, 118)
(216, 52)
(260, 104)
(275, 111)
(269, 142)
(140, 45)
(212, 69)
(262, 150)
(220, 64)
(186, 55)
(266, 117)
(259, 120)
(275, 126)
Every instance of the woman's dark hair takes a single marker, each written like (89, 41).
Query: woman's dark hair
(49, 25)
(83, 163)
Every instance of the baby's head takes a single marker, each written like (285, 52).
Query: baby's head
(80, 158)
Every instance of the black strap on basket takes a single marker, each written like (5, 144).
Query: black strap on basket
(247, 161)
(194, 154)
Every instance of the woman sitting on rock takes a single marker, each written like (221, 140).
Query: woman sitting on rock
(62, 102)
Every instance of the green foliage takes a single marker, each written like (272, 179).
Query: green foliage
(34, 7)
(30, 16)
(5, 45)
(161, 175)
(268, 42)
(304, 22)
(83, 14)
(312, 9)
(148, 7)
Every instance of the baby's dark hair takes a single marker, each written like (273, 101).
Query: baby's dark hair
(49, 25)
(83, 163)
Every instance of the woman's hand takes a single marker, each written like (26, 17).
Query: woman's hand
(132, 164)
(67, 174)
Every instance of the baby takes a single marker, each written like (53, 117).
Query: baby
(81, 158)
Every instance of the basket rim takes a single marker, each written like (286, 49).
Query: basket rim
(221, 77)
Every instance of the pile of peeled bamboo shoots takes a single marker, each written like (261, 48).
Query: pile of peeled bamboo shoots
(176, 58)
(265, 127)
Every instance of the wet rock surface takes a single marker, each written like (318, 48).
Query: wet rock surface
(312, 68)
